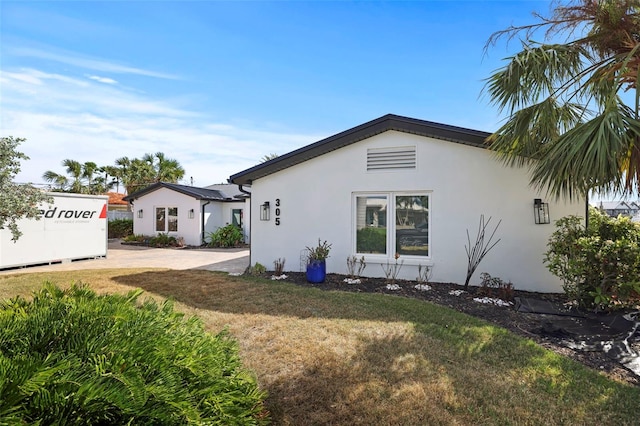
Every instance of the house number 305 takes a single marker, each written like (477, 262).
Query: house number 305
(277, 211)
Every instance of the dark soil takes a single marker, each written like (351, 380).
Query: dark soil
(528, 325)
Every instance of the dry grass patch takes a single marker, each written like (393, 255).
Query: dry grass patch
(346, 358)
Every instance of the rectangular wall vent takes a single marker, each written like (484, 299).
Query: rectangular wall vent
(396, 158)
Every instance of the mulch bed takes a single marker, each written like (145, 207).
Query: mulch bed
(528, 325)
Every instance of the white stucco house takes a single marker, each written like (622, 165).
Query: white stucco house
(187, 211)
(407, 186)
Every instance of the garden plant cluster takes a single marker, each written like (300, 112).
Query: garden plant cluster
(72, 355)
(598, 264)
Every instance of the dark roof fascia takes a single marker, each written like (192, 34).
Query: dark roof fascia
(197, 193)
(385, 123)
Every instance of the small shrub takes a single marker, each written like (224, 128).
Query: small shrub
(278, 267)
(319, 252)
(227, 236)
(494, 287)
(425, 272)
(391, 270)
(74, 357)
(136, 238)
(164, 240)
(256, 270)
(599, 266)
(371, 240)
(120, 228)
(355, 266)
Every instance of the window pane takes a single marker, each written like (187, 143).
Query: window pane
(160, 219)
(173, 219)
(371, 224)
(412, 225)
(236, 217)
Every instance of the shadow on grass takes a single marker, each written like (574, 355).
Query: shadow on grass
(444, 367)
(239, 295)
(401, 380)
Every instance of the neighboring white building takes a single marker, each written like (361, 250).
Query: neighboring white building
(407, 186)
(187, 211)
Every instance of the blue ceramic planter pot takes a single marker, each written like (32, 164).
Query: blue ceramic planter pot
(316, 271)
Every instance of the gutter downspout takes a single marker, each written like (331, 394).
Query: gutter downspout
(202, 220)
(244, 191)
(586, 211)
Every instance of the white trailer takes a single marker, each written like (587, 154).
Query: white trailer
(73, 227)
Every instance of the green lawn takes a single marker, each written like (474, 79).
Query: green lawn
(370, 359)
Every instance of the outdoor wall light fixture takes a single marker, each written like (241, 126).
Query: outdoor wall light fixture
(140, 214)
(265, 211)
(540, 212)
(192, 214)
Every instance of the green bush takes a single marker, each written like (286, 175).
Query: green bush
(371, 240)
(74, 357)
(120, 228)
(599, 266)
(133, 238)
(257, 269)
(227, 236)
(164, 240)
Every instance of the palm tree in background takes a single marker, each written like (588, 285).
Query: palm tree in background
(573, 107)
(135, 173)
(165, 169)
(112, 175)
(268, 157)
(138, 173)
(80, 178)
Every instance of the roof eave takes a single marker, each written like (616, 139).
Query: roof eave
(385, 123)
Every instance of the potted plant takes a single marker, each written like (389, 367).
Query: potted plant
(316, 262)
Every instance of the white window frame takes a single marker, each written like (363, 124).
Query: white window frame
(166, 219)
(391, 226)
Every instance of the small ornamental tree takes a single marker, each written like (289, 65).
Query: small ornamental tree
(599, 265)
(16, 201)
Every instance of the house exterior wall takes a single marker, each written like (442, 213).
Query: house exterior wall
(247, 220)
(315, 200)
(216, 215)
(189, 229)
(212, 217)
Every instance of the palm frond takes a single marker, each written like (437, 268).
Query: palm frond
(527, 135)
(537, 71)
(589, 156)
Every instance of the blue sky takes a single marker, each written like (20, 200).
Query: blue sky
(217, 85)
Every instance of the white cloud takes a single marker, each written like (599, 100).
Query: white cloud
(99, 79)
(86, 120)
(86, 62)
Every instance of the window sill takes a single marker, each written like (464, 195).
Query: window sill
(405, 260)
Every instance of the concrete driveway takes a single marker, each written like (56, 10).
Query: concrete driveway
(126, 256)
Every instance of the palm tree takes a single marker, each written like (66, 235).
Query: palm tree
(135, 173)
(138, 173)
(113, 172)
(573, 107)
(166, 169)
(268, 157)
(80, 178)
(59, 182)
